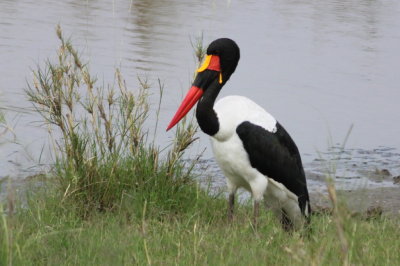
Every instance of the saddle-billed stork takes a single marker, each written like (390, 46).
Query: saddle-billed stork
(253, 150)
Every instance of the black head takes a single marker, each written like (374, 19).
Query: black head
(221, 61)
(229, 54)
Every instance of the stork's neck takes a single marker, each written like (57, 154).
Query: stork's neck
(205, 114)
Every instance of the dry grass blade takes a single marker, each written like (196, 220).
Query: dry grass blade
(337, 216)
(103, 152)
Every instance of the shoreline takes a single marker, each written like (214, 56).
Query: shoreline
(381, 200)
(384, 200)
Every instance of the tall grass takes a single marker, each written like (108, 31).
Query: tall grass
(5, 129)
(103, 157)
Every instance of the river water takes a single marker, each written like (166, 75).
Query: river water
(318, 66)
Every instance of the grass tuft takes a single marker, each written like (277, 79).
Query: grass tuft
(103, 157)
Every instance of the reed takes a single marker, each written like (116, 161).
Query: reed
(5, 129)
(103, 154)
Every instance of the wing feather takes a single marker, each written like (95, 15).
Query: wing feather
(275, 155)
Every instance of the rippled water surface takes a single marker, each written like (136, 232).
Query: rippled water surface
(317, 66)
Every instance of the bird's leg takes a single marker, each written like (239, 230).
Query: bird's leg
(231, 201)
(258, 188)
(256, 213)
(286, 223)
(231, 205)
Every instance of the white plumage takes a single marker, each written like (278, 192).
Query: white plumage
(233, 110)
(234, 160)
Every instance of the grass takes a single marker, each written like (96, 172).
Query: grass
(114, 198)
(47, 233)
(103, 156)
(5, 129)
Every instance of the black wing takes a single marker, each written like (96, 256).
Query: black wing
(276, 156)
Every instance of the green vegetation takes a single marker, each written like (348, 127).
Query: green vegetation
(114, 198)
(51, 233)
(104, 158)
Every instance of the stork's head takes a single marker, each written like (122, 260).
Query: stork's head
(221, 61)
(227, 53)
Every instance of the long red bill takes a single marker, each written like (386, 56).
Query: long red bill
(191, 98)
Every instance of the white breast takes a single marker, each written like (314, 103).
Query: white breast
(233, 110)
(234, 160)
(228, 147)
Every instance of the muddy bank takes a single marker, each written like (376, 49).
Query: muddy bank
(385, 200)
(364, 179)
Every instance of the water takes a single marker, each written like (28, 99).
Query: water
(318, 67)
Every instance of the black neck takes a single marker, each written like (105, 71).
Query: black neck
(205, 114)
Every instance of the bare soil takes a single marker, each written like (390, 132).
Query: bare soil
(384, 200)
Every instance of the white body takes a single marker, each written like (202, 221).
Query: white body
(234, 160)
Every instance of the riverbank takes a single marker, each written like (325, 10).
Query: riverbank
(386, 200)
(365, 185)
(46, 230)
(377, 201)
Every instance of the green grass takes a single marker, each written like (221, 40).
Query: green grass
(47, 232)
(114, 198)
